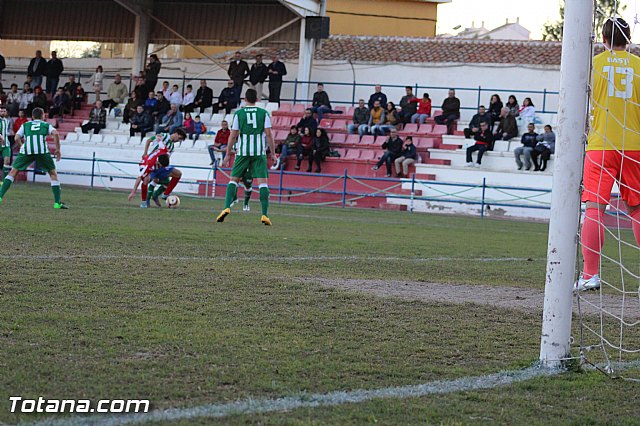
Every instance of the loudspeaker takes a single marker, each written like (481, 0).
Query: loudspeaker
(317, 27)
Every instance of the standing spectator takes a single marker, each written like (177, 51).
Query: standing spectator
(544, 148)
(171, 121)
(526, 114)
(116, 93)
(175, 97)
(307, 122)
(61, 103)
(320, 149)
(238, 71)
(407, 107)
(258, 75)
(407, 157)
(513, 106)
(39, 99)
(360, 120)
(204, 97)
(276, 70)
(140, 87)
(79, 97)
(3, 65)
(131, 107)
(188, 100)
(36, 69)
(70, 86)
(13, 100)
(161, 109)
(151, 72)
(141, 122)
(507, 128)
(53, 70)
(484, 142)
(450, 112)
(392, 119)
(219, 146)
(97, 119)
(393, 146)
(474, 124)
(377, 96)
(424, 109)
(321, 104)
(291, 145)
(96, 81)
(27, 98)
(529, 141)
(228, 98)
(495, 106)
(376, 118)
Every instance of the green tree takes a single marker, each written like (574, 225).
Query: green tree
(552, 31)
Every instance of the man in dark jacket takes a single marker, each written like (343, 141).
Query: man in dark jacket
(408, 108)
(276, 70)
(377, 95)
(141, 122)
(484, 142)
(204, 97)
(36, 69)
(258, 75)
(61, 103)
(508, 128)
(360, 119)
(474, 124)
(321, 104)
(53, 70)
(162, 107)
(529, 141)
(238, 71)
(307, 122)
(450, 112)
(407, 157)
(393, 146)
(151, 72)
(97, 119)
(227, 99)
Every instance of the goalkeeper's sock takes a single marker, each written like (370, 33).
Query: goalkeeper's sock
(247, 195)
(57, 192)
(172, 184)
(232, 190)
(143, 193)
(6, 183)
(592, 241)
(635, 224)
(264, 198)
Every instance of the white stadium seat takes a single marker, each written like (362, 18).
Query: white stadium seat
(109, 139)
(71, 137)
(121, 139)
(84, 137)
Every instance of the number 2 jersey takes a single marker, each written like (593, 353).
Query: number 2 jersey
(615, 102)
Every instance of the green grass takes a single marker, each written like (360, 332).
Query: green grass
(218, 326)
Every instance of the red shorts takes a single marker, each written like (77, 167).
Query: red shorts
(604, 168)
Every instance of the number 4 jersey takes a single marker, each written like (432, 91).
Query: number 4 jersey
(615, 102)
(251, 123)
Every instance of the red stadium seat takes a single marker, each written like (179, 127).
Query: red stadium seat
(338, 138)
(340, 124)
(341, 151)
(298, 108)
(353, 139)
(351, 111)
(410, 128)
(439, 129)
(424, 143)
(352, 154)
(369, 154)
(326, 123)
(425, 128)
(284, 107)
(380, 140)
(367, 140)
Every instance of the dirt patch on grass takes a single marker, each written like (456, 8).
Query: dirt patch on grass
(523, 299)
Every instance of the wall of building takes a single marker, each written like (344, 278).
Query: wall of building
(24, 48)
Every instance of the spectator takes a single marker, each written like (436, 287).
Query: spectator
(307, 122)
(204, 96)
(291, 145)
(526, 113)
(61, 103)
(484, 142)
(528, 140)
(305, 148)
(116, 93)
(377, 118)
(53, 70)
(507, 128)
(321, 104)
(150, 103)
(228, 98)
(377, 96)
(3, 65)
(513, 106)
(161, 109)
(474, 124)
(495, 106)
(393, 146)
(151, 72)
(320, 149)
(424, 109)
(238, 71)
(96, 81)
(29, 80)
(258, 75)
(392, 119)
(198, 129)
(187, 125)
(131, 107)
(39, 99)
(97, 119)
(166, 90)
(175, 97)
(544, 148)
(70, 86)
(408, 108)
(27, 98)
(407, 157)
(450, 112)
(22, 118)
(141, 122)
(276, 70)
(13, 100)
(360, 120)
(36, 69)
(188, 100)
(79, 97)
(140, 87)
(171, 121)
(219, 145)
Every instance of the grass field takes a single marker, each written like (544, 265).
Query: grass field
(110, 301)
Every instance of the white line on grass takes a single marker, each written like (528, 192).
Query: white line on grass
(260, 406)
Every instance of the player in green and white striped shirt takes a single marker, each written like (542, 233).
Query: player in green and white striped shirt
(32, 139)
(252, 128)
(5, 143)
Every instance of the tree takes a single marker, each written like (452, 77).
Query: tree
(552, 31)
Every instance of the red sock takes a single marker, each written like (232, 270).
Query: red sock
(172, 184)
(145, 188)
(592, 241)
(635, 224)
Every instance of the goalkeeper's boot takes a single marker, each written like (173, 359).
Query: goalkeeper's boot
(223, 214)
(265, 220)
(583, 284)
(62, 206)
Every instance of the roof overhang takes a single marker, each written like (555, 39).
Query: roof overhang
(303, 7)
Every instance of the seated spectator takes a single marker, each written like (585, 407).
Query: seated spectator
(171, 121)
(392, 120)
(22, 118)
(377, 95)
(544, 148)
(13, 101)
(39, 98)
(227, 100)
(198, 129)
(320, 149)
(175, 97)
(407, 157)
(377, 117)
(219, 146)
(360, 119)
(116, 93)
(495, 106)
(61, 103)
(204, 97)
(424, 109)
(131, 107)
(407, 107)
(507, 128)
(484, 142)
(27, 98)
(291, 145)
(187, 125)
(71, 86)
(150, 103)
(166, 90)
(321, 104)
(307, 121)
(474, 124)
(162, 108)
(79, 97)
(305, 149)
(393, 146)
(450, 112)
(529, 141)
(141, 122)
(513, 106)
(97, 119)
(526, 114)
(188, 100)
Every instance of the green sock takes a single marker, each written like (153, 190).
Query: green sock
(5, 186)
(247, 196)
(149, 193)
(159, 191)
(264, 199)
(232, 190)
(57, 192)
(5, 171)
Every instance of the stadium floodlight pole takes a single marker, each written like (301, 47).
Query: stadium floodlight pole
(567, 174)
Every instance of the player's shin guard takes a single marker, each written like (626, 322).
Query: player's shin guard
(57, 192)
(264, 198)
(172, 184)
(635, 224)
(6, 183)
(592, 241)
(232, 190)
(143, 194)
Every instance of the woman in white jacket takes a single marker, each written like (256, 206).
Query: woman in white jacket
(526, 115)
(96, 81)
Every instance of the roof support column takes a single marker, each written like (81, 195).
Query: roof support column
(305, 59)
(141, 42)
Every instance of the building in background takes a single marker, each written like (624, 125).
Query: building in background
(508, 31)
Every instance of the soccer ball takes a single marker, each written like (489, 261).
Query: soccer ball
(173, 201)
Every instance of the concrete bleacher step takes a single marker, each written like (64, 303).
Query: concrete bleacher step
(492, 160)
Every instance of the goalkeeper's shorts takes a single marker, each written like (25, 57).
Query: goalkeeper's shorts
(604, 168)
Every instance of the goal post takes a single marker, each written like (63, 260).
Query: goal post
(567, 174)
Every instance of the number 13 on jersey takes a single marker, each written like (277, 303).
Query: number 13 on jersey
(626, 81)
